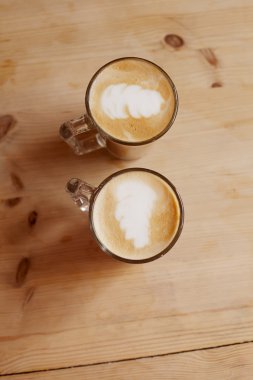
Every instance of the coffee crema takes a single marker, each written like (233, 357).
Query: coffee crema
(132, 100)
(136, 215)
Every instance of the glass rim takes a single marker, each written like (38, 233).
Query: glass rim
(166, 249)
(132, 143)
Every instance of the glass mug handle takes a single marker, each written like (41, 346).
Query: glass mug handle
(80, 192)
(81, 135)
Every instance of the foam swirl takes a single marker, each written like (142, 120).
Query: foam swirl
(120, 101)
(135, 202)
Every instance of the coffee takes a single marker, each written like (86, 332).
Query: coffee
(132, 100)
(136, 214)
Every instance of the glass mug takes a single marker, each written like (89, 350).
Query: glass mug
(129, 108)
(119, 209)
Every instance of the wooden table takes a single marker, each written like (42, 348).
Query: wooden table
(67, 310)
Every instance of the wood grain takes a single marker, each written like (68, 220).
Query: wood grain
(62, 301)
(226, 363)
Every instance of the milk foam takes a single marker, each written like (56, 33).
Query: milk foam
(135, 202)
(120, 101)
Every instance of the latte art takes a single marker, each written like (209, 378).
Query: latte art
(136, 215)
(120, 101)
(132, 100)
(135, 202)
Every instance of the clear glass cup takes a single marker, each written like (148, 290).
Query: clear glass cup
(84, 135)
(84, 195)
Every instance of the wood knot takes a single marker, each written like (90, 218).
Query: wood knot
(174, 40)
(209, 56)
(216, 84)
(16, 181)
(32, 218)
(12, 202)
(7, 123)
(23, 268)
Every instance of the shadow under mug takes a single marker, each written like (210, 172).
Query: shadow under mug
(84, 135)
(85, 195)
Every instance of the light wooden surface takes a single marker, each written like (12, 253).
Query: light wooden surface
(224, 363)
(63, 302)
